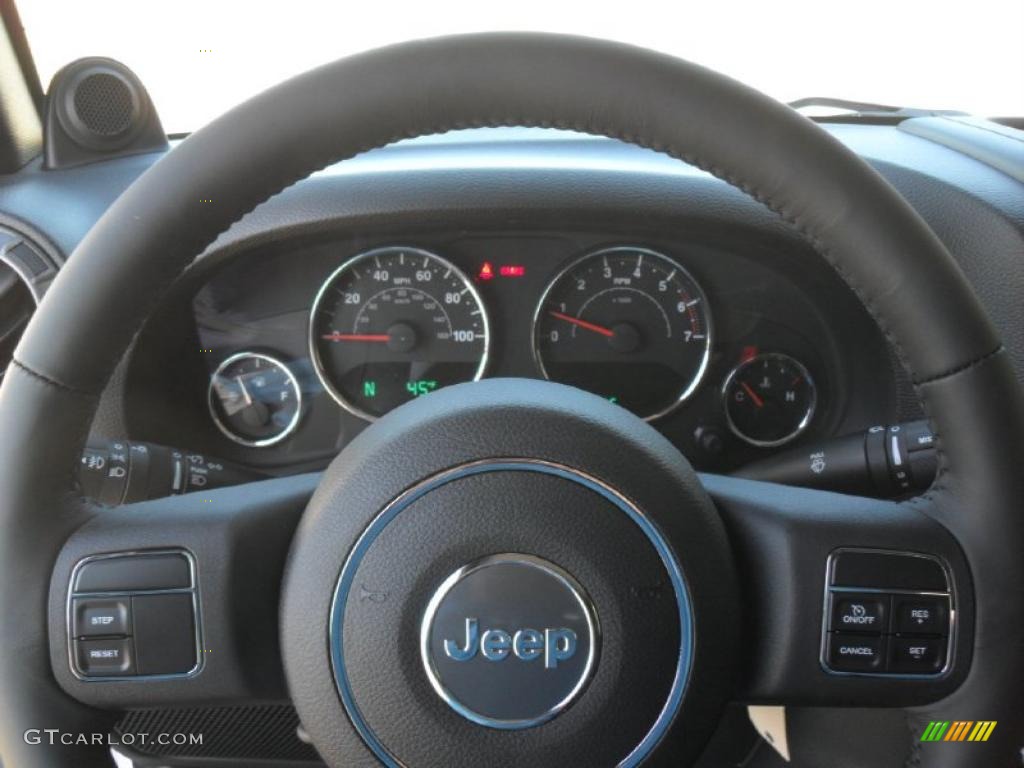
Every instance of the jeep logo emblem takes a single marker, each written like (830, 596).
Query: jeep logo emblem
(509, 641)
(526, 644)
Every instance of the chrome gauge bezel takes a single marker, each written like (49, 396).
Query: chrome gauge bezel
(705, 360)
(805, 422)
(314, 353)
(226, 430)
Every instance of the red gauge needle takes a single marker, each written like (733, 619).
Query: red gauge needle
(374, 337)
(753, 395)
(584, 324)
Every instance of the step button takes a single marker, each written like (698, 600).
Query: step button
(97, 617)
(855, 653)
(859, 613)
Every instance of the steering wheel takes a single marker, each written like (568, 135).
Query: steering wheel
(515, 567)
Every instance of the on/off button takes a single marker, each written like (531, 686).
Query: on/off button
(859, 613)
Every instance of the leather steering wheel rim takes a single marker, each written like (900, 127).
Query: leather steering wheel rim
(854, 218)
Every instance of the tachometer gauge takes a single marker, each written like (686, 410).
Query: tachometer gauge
(629, 324)
(393, 324)
(254, 399)
(769, 399)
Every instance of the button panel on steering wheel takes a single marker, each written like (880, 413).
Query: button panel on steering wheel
(887, 613)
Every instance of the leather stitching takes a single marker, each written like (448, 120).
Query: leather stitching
(960, 368)
(74, 495)
(50, 381)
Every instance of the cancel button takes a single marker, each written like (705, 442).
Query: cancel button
(859, 613)
(855, 653)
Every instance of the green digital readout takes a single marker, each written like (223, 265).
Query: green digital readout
(418, 387)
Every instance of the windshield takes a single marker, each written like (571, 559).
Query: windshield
(198, 58)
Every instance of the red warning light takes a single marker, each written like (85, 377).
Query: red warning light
(748, 353)
(512, 270)
(486, 271)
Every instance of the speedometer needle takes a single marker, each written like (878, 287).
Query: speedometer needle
(583, 324)
(380, 338)
(753, 395)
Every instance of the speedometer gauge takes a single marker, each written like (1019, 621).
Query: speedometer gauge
(626, 323)
(393, 324)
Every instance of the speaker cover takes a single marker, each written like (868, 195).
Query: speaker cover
(97, 108)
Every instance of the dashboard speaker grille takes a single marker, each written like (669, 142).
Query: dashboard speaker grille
(258, 732)
(104, 104)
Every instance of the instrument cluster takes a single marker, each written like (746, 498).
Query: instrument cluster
(721, 352)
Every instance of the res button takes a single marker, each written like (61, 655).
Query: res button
(859, 613)
(921, 615)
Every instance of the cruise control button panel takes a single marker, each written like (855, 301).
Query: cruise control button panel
(886, 614)
(134, 615)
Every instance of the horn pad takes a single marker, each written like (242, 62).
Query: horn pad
(508, 568)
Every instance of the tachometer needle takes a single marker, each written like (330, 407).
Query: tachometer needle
(753, 395)
(379, 338)
(583, 324)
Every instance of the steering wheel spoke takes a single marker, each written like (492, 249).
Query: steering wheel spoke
(176, 600)
(848, 600)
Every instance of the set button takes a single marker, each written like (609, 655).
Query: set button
(917, 655)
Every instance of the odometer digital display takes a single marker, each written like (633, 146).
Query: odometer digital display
(626, 323)
(394, 324)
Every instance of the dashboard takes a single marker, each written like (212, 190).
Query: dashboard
(526, 253)
(285, 351)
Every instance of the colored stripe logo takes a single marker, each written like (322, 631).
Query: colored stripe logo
(958, 730)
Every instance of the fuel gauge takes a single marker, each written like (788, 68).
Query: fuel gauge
(254, 399)
(769, 399)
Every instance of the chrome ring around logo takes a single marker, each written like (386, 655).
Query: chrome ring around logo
(509, 641)
(681, 677)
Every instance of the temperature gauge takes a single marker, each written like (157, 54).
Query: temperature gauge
(254, 399)
(769, 399)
